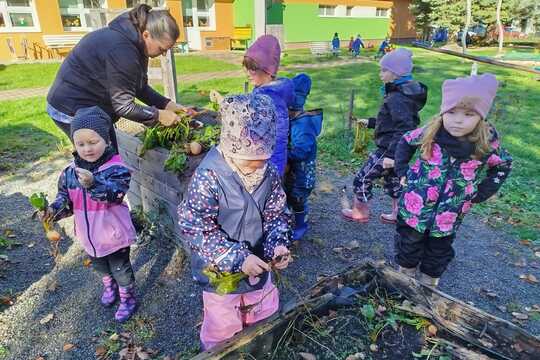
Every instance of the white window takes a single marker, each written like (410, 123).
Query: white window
(152, 3)
(327, 10)
(381, 12)
(348, 12)
(199, 14)
(18, 16)
(83, 15)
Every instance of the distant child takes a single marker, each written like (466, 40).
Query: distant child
(357, 44)
(300, 178)
(403, 99)
(351, 42)
(385, 45)
(447, 179)
(92, 189)
(235, 218)
(335, 44)
(262, 63)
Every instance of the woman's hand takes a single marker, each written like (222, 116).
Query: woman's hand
(387, 163)
(284, 257)
(254, 266)
(167, 118)
(85, 177)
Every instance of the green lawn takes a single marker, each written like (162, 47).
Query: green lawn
(19, 76)
(190, 64)
(304, 56)
(515, 116)
(509, 53)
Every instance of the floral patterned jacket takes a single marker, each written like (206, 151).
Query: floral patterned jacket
(441, 190)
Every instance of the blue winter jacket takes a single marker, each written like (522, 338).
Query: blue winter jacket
(357, 43)
(281, 91)
(303, 148)
(335, 43)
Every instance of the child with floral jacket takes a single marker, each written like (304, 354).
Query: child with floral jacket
(446, 179)
(235, 218)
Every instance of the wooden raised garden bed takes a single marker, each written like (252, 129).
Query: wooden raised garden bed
(152, 187)
(371, 311)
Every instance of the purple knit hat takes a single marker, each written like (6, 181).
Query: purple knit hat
(475, 92)
(398, 61)
(248, 129)
(266, 52)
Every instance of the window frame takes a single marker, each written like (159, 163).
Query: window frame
(195, 12)
(6, 10)
(325, 11)
(81, 11)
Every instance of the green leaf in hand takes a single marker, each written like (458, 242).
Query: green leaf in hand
(39, 201)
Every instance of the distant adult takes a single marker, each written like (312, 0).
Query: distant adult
(108, 69)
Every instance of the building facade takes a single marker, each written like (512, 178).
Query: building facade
(41, 29)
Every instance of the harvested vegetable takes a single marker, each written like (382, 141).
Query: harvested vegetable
(195, 148)
(40, 203)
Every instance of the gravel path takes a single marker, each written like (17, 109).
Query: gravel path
(171, 303)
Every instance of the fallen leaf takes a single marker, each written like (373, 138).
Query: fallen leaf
(307, 356)
(520, 316)
(502, 308)
(432, 330)
(525, 242)
(373, 347)
(87, 262)
(357, 356)
(337, 249)
(52, 286)
(6, 300)
(353, 245)
(488, 293)
(114, 337)
(39, 357)
(31, 245)
(46, 319)
(521, 262)
(530, 278)
(68, 347)
(100, 351)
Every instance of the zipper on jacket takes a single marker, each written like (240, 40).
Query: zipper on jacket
(88, 222)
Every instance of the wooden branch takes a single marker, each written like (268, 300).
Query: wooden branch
(480, 59)
(351, 109)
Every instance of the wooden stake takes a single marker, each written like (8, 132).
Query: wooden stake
(351, 108)
(168, 71)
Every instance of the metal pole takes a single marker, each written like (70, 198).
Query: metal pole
(168, 70)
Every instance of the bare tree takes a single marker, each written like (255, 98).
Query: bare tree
(467, 24)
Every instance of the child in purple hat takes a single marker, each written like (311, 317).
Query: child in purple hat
(403, 99)
(446, 179)
(262, 63)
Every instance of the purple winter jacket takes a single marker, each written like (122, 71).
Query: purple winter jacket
(281, 91)
(102, 220)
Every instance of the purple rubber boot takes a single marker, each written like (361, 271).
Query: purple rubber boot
(110, 290)
(128, 304)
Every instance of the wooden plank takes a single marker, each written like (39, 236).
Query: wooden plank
(480, 59)
(168, 70)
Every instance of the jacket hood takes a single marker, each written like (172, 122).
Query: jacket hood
(123, 25)
(414, 90)
(282, 87)
(311, 121)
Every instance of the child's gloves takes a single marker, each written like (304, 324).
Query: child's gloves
(254, 266)
(85, 177)
(387, 163)
(285, 257)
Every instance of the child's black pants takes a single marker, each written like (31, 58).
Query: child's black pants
(116, 265)
(432, 253)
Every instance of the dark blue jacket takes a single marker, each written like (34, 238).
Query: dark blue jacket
(357, 43)
(335, 43)
(107, 68)
(303, 148)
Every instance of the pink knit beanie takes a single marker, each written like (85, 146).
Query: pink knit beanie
(475, 92)
(398, 61)
(266, 52)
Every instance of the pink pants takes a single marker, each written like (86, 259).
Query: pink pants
(223, 318)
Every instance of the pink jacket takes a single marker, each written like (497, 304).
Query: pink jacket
(102, 220)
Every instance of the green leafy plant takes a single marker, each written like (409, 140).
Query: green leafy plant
(177, 160)
(223, 282)
(40, 203)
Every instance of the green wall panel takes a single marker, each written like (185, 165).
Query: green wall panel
(243, 13)
(274, 14)
(302, 24)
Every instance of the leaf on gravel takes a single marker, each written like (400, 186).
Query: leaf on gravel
(337, 250)
(522, 262)
(502, 308)
(87, 262)
(6, 300)
(9, 233)
(101, 351)
(52, 286)
(530, 278)
(432, 330)
(46, 319)
(488, 293)
(114, 337)
(525, 242)
(31, 245)
(373, 348)
(357, 356)
(307, 356)
(520, 316)
(39, 357)
(353, 245)
(68, 347)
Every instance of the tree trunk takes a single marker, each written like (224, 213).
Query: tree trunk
(467, 24)
(500, 27)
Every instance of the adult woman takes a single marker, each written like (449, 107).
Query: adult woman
(108, 68)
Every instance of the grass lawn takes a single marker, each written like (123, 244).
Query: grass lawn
(509, 53)
(515, 116)
(304, 56)
(19, 76)
(190, 64)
